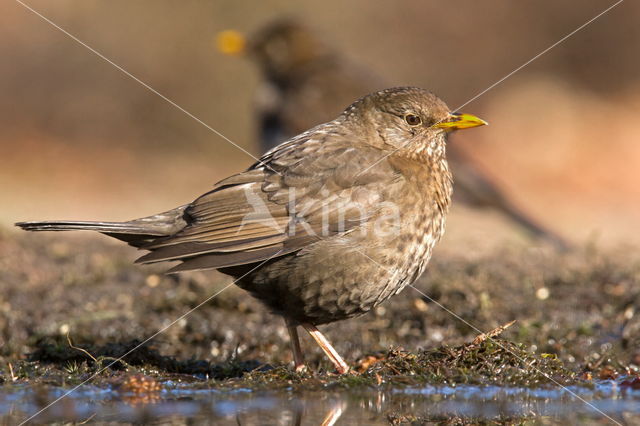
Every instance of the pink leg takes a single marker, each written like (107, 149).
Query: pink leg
(322, 341)
(298, 358)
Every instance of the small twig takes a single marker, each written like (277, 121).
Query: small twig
(390, 366)
(493, 333)
(100, 359)
(80, 349)
(13, 376)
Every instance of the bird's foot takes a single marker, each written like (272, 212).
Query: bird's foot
(341, 366)
(342, 369)
(298, 358)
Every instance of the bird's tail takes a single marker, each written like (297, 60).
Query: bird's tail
(532, 226)
(136, 232)
(68, 225)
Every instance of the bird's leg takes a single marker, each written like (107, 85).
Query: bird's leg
(298, 358)
(322, 341)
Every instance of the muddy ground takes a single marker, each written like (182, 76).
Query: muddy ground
(576, 320)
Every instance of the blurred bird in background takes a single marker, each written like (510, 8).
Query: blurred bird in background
(306, 82)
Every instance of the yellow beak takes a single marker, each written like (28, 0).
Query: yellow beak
(231, 42)
(458, 121)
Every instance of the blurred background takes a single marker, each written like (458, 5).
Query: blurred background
(81, 140)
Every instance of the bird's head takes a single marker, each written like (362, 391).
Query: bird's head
(410, 120)
(279, 48)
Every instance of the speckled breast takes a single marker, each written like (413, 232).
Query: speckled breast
(346, 276)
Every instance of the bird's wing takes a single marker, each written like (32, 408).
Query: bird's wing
(309, 188)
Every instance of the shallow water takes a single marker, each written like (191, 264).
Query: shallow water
(608, 402)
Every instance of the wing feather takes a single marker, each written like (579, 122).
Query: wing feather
(312, 187)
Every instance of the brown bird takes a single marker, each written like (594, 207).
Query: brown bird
(328, 224)
(307, 82)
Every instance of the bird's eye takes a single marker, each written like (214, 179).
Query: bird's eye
(412, 120)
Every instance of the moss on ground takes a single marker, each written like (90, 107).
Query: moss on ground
(491, 361)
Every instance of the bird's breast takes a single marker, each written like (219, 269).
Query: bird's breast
(423, 217)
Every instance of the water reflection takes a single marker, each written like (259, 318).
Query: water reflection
(180, 404)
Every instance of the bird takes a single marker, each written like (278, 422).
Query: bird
(305, 81)
(326, 225)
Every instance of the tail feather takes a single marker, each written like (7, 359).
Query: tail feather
(68, 225)
(475, 188)
(136, 232)
(134, 235)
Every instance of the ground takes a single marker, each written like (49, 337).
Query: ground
(71, 304)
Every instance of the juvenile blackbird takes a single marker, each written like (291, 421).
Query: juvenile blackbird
(307, 82)
(328, 224)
